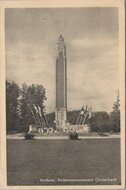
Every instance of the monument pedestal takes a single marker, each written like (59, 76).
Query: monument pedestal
(60, 118)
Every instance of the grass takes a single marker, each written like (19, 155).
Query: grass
(30, 161)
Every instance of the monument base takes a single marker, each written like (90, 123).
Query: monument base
(60, 118)
(40, 129)
(78, 128)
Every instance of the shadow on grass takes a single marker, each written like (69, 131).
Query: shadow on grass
(29, 139)
(75, 139)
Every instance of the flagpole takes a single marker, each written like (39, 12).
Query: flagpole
(45, 119)
(40, 114)
(34, 117)
(78, 118)
(37, 114)
(39, 118)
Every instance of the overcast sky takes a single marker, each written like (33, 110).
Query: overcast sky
(91, 36)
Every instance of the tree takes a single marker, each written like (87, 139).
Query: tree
(115, 115)
(12, 95)
(29, 96)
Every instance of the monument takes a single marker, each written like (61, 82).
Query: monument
(61, 94)
(61, 85)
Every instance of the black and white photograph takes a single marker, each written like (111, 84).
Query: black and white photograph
(63, 95)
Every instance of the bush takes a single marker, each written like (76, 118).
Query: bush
(101, 122)
(28, 136)
(73, 136)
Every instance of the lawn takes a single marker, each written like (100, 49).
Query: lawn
(44, 162)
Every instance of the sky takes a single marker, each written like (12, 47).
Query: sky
(91, 37)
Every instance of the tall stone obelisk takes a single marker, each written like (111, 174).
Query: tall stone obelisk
(61, 85)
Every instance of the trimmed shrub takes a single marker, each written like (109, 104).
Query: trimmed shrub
(73, 136)
(28, 136)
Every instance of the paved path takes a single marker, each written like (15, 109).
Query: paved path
(65, 137)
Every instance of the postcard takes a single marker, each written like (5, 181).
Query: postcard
(62, 100)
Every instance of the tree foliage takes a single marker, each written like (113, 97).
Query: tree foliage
(100, 122)
(104, 122)
(19, 101)
(115, 115)
(29, 96)
(12, 95)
